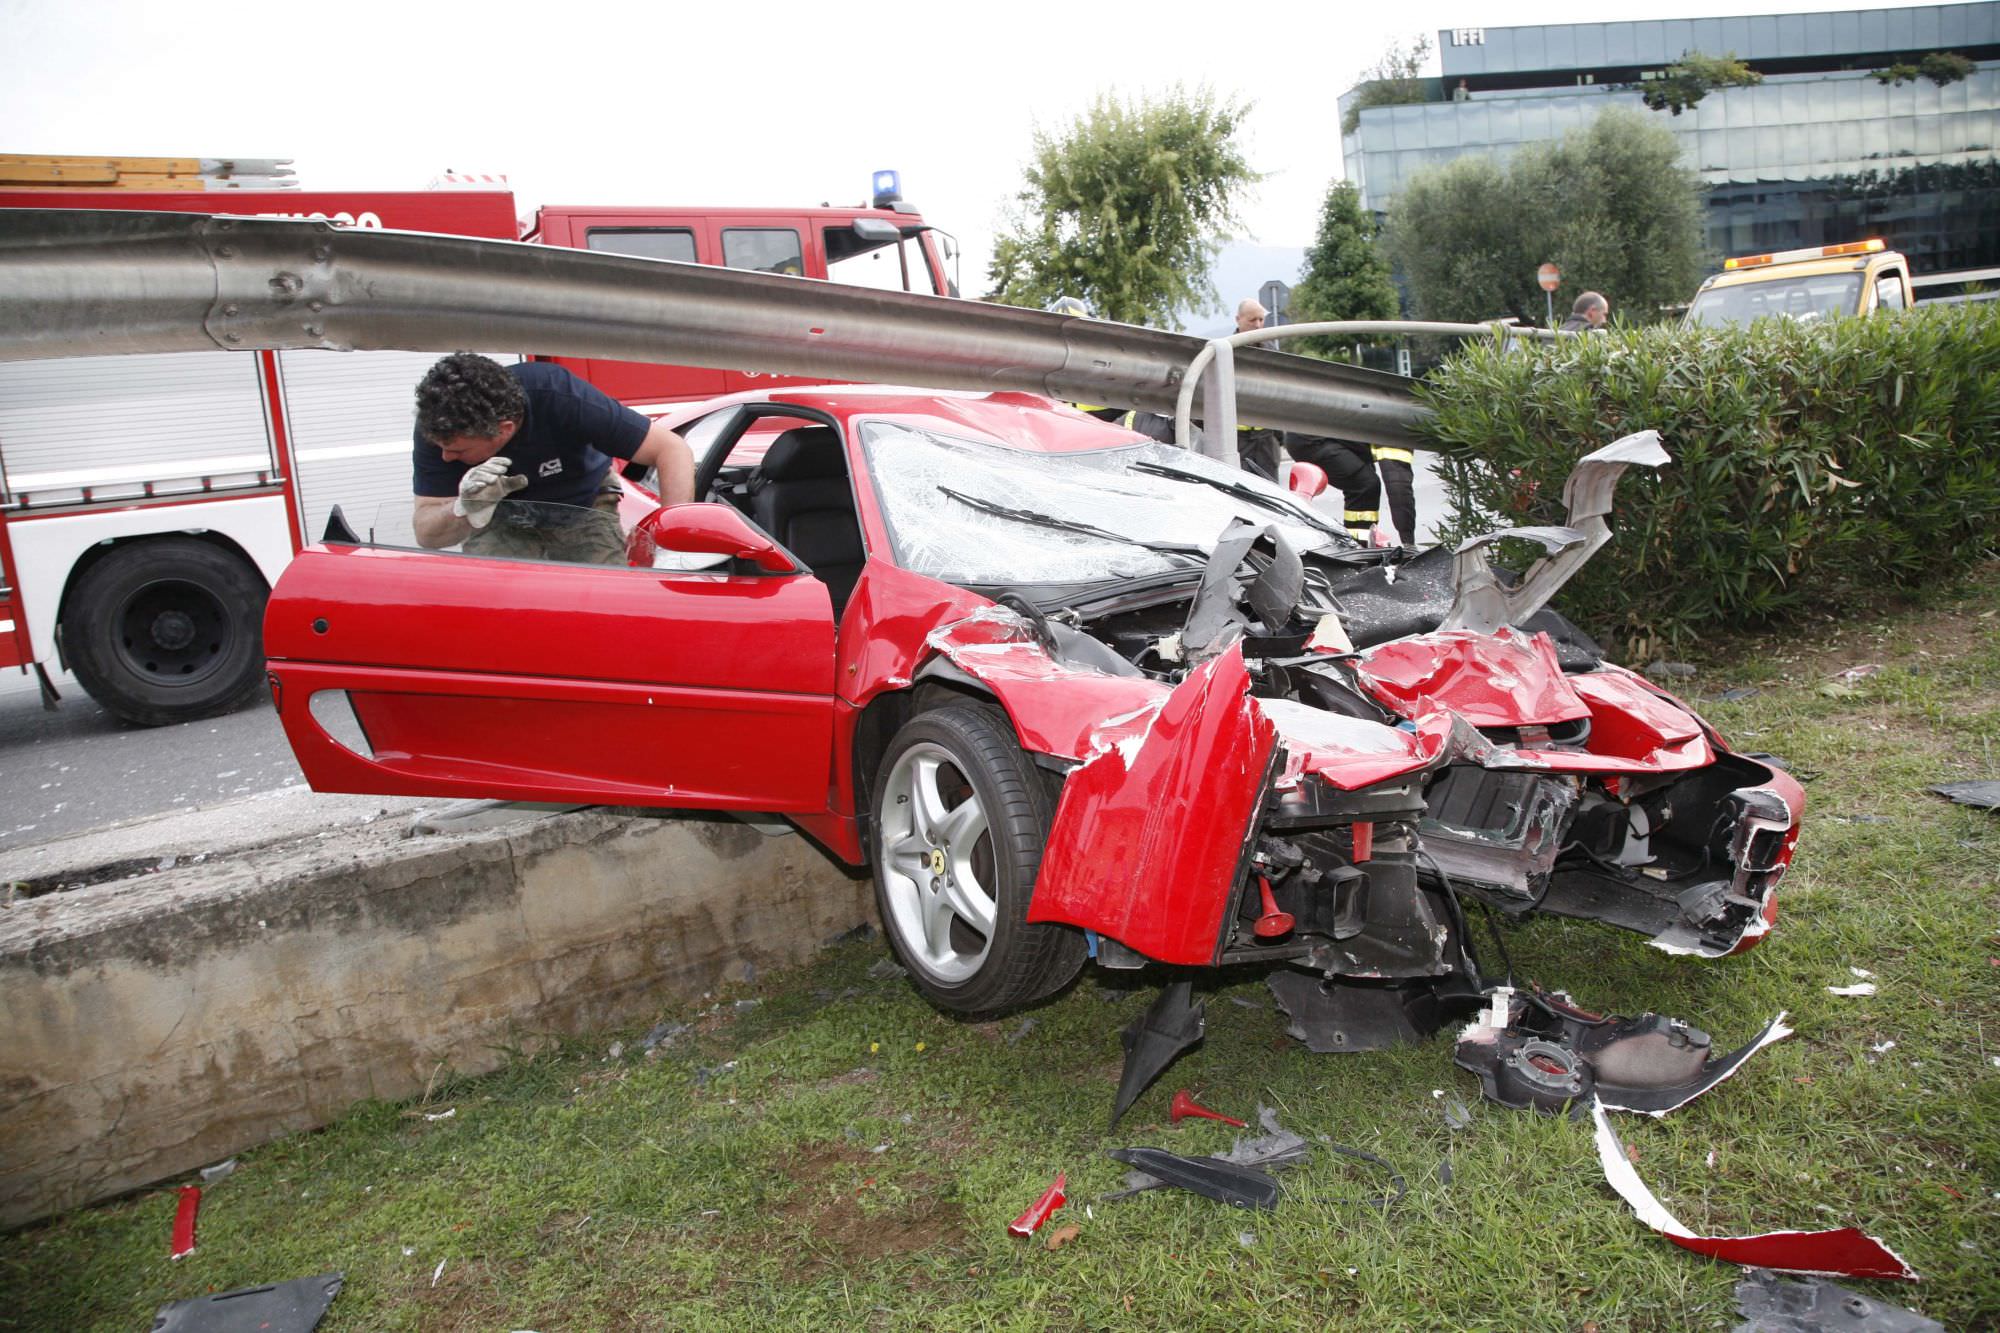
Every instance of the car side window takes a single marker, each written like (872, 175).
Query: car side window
(675, 243)
(765, 249)
(517, 530)
(1889, 292)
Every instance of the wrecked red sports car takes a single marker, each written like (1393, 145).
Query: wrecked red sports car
(1073, 694)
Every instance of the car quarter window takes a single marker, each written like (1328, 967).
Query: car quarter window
(765, 249)
(675, 243)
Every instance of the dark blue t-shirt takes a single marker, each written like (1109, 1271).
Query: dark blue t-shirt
(561, 446)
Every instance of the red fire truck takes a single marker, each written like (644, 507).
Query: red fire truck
(148, 503)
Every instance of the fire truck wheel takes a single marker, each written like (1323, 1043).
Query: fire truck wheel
(166, 630)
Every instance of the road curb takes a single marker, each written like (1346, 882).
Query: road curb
(157, 1025)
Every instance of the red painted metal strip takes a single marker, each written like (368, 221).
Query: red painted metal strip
(281, 445)
(184, 1215)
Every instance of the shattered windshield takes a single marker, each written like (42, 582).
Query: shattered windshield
(968, 512)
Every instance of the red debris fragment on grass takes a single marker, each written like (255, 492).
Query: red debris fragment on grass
(1038, 1212)
(184, 1216)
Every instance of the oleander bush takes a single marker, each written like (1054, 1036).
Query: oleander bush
(1810, 461)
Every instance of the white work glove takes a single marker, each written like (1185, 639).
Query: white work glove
(483, 487)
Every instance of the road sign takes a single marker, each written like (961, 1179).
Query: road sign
(1273, 296)
(1549, 276)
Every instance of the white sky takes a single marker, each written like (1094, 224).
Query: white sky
(669, 102)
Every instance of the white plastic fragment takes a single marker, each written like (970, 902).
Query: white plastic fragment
(1882, 1047)
(1859, 988)
(1862, 973)
(438, 1272)
(445, 1114)
(1843, 1252)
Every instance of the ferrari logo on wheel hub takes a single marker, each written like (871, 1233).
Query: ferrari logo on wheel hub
(937, 860)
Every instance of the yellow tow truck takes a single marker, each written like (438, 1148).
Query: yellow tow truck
(1820, 282)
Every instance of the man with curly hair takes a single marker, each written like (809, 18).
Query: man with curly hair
(491, 436)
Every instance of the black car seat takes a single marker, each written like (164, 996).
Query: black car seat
(800, 496)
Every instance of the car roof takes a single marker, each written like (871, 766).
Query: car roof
(1020, 420)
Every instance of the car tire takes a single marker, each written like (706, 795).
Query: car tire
(959, 822)
(167, 630)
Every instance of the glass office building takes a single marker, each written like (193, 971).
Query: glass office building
(1819, 152)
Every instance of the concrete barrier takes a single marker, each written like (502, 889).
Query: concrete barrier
(157, 1025)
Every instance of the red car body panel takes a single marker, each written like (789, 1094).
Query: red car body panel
(620, 685)
(1506, 679)
(1149, 836)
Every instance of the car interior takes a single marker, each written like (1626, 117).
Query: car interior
(795, 486)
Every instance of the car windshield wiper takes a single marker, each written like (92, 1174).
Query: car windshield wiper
(1194, 553)
(1296, 512)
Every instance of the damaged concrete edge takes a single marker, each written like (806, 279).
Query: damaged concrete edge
(162, 1024)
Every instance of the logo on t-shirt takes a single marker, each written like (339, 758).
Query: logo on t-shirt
(551, 466)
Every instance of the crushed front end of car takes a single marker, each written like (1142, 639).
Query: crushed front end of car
(1344, 751)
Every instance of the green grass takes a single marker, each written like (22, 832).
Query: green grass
(576, 1191)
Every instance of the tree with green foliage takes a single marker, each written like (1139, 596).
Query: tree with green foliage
(1940, 67)
(1346, 276)
(1692, 78)
(1127, 209)
(1397, 79)
(1610, 204)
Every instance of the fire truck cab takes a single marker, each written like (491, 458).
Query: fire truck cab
(148, 503)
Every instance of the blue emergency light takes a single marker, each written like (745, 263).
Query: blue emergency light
(888, 188)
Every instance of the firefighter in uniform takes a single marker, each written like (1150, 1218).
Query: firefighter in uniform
(1350, 469)
(1399, 483)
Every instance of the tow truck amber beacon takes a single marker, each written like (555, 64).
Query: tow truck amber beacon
(1075, 695)
(148, 503)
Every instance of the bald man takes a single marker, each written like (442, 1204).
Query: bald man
(1256, 449)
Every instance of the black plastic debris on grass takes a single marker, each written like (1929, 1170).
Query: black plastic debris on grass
(285, 1307)
(1155, 1039)
(1979, 795)
(1773, 1304)
(1242, 1176)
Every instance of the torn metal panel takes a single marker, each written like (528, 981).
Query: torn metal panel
(1500, 831)
(1484, 603)
(1844, 1252)
(1349, 752)
(1066, 709)
(1505, 679)
(1773, 1304)
(1151, 831)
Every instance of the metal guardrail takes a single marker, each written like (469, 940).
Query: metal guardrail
(1214, 369)
(83, 282)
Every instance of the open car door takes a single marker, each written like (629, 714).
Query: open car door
(530, 680)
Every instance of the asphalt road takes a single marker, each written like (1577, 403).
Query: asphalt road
(80, 768)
